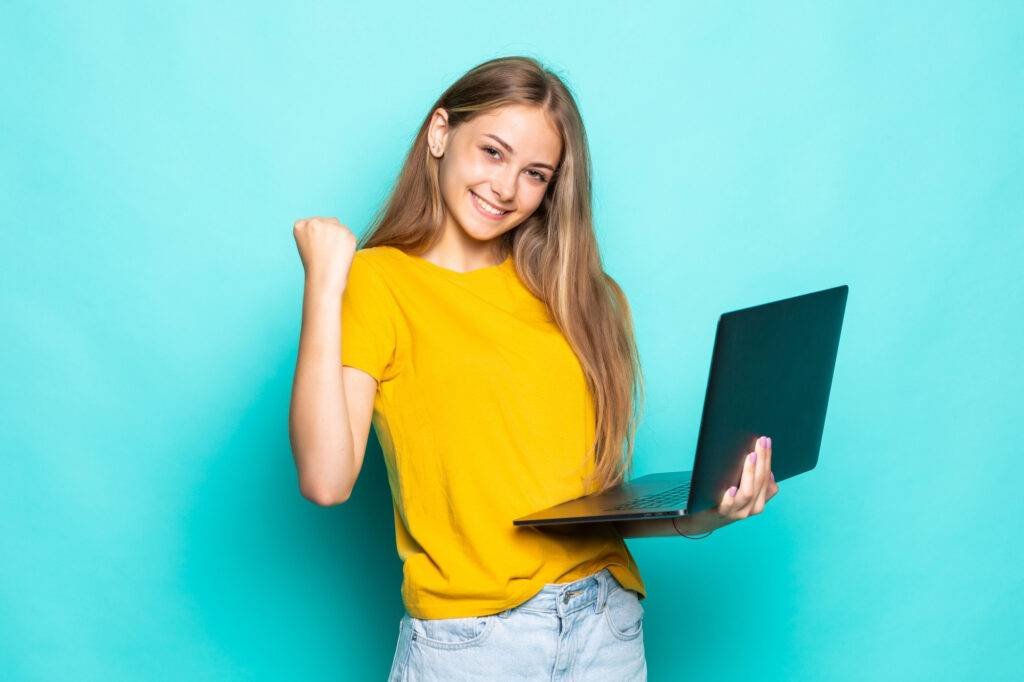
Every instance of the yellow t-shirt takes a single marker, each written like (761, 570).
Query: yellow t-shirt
(483, 415)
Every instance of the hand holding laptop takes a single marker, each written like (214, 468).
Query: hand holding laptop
(757, 486)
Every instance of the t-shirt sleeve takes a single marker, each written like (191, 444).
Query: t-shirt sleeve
(368, 321)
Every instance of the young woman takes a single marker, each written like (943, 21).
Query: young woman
(495, 359)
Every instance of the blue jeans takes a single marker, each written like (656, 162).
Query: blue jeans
(590, 629)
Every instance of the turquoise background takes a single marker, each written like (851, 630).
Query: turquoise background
(154, 160)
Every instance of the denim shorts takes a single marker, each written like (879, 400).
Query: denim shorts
(589, 629)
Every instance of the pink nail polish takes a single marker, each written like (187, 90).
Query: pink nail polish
(753, 457)
(732, 491)
(769, 442)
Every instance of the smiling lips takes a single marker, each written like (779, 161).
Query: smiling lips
(487, 209)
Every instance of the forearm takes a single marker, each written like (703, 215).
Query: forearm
(688, 525)
(318, 423)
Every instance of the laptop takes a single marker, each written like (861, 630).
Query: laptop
(771, 374)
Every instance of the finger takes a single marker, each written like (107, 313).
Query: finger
(746, 492)
(760, 475)
(762, 469)
(729, 498)
(773, 486)
(725, 507)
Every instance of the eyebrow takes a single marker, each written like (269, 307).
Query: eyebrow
(507, 146)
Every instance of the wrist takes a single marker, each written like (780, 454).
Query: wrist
(701, 522)
(683, 526)
(323, 287)
(318, 295)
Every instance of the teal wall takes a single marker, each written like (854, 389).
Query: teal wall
(152, 164)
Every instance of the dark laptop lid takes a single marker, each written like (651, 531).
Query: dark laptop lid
(771, 372)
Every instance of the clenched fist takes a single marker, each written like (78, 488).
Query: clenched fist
(326, 248)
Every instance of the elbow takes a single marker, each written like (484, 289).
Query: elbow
(325, 496)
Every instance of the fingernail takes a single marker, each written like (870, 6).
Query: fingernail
(761, 441)
(732, 491)
(752, 457)
(769, 441)
(773, 475)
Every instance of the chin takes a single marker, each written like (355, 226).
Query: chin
(472, 228)
(481, 235)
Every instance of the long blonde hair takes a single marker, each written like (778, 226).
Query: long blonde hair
(555, 250)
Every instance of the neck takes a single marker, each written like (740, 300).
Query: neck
(458, 251)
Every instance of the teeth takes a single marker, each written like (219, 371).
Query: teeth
(487, 207)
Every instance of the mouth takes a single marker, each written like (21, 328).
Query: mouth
(488, 210)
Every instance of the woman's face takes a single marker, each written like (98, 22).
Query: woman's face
(505, 158)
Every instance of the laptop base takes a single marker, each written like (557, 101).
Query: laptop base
(618, 503)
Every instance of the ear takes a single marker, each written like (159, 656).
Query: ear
(437, 133)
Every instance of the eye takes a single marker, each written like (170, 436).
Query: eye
(537, 174)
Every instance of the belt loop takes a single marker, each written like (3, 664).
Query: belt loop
(602, 591)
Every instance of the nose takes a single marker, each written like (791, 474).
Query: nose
(503, 184)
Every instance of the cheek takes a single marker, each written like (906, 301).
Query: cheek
(534, 197)
(457, 175)
(452, 179)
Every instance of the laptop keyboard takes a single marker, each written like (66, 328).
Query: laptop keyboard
(673, 497)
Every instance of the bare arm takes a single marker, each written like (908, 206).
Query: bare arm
(331, 406)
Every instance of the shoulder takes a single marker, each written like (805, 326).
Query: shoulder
(372, 254)
(372, 271)
(381, 259)
(374, 259)
(384, 262)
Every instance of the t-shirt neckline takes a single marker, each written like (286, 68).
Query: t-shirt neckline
(477, 272)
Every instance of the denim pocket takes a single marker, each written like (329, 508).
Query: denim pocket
(624, 613)
(452, 633)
